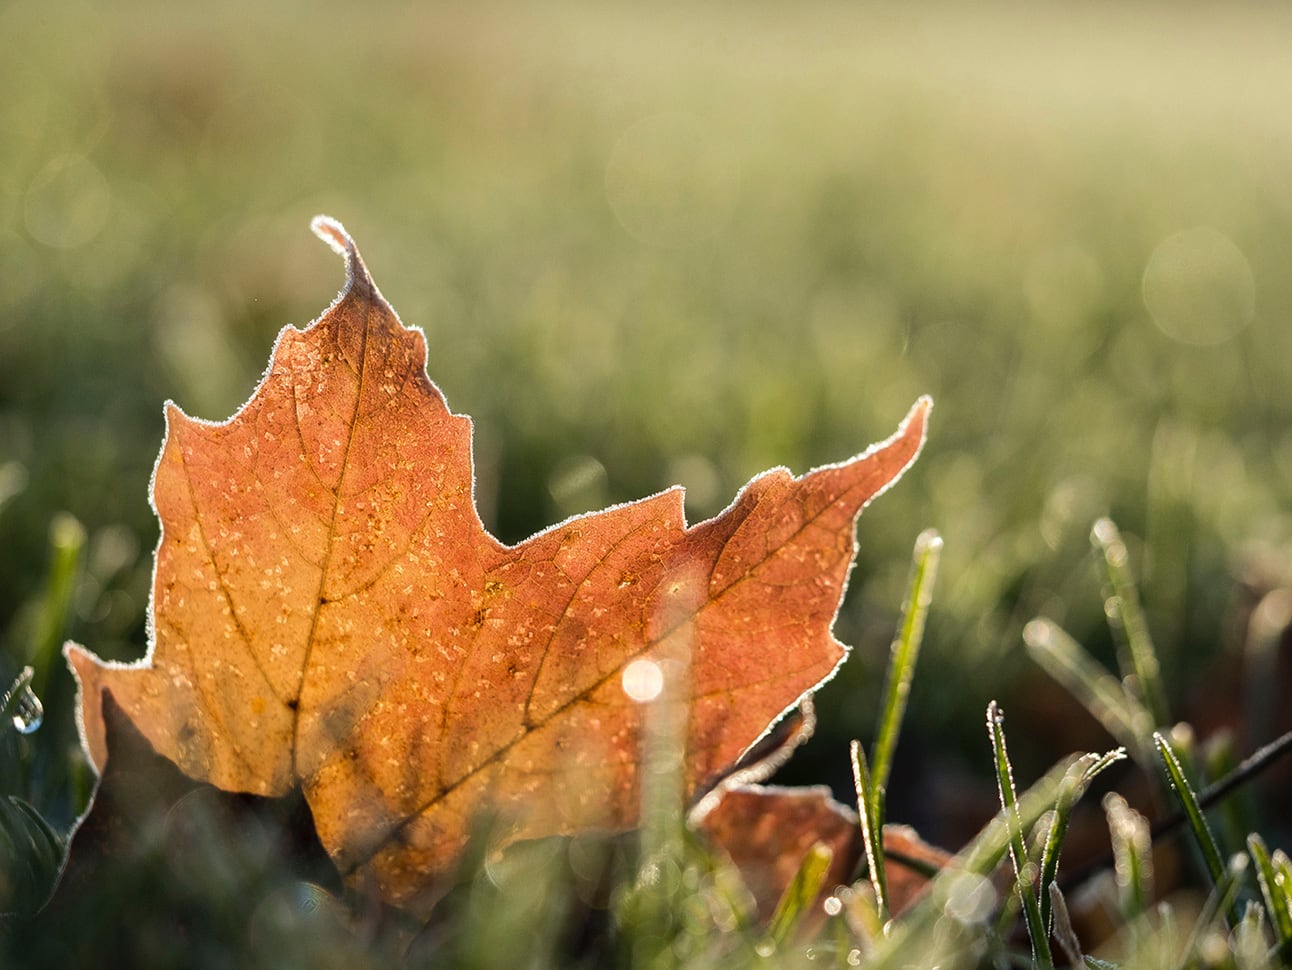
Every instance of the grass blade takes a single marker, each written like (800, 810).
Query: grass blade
(1099, 692)
(1282, 866)
(871, 783)
(905, 651)
(1082, 772)
(30, 856)
(1063, 929)
(1023, 868)
(1222, 899)
(1248, 940)
(1193, 811)
(1273, 890)
(870, 802)
(1127, 618)
(800, 894)
(67, 544)
(1132, 856)
(961, 898)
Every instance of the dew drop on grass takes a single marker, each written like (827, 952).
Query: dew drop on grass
(28, 712)
(22, 705)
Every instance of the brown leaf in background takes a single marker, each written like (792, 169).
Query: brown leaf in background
(329, 611)
(766, 831)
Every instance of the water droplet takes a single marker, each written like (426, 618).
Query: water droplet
(28, 713)
(22, 704)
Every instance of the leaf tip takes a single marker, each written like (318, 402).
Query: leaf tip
(334, 234)
(919, 413)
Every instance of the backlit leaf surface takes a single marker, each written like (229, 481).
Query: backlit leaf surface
(328, 611)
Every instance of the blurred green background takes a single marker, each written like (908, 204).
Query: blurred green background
(686, 243)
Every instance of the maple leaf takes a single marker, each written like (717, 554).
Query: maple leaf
(329, 611)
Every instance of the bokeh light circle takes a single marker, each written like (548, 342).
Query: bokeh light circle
(1199, 288)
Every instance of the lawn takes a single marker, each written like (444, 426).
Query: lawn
(686, 244)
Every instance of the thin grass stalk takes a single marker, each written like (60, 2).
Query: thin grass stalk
(1023, 868)
(1127, 618)
(905, 652)
(1193, 811)
(1256, 762)
(870, 802)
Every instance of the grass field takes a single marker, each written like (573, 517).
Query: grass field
(687, 244)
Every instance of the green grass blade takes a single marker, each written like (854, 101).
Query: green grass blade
(1023, 868)
(870, 802)
(1098, 691)
(1193, 811)
(961, 899)
(67, 544)
(905, 651)
(800, 894)
(1273, 890)
(1078, 779)
(1282, 866)
(30, 856)
(1139, 658)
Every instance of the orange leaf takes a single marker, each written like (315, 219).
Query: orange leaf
(329, 611)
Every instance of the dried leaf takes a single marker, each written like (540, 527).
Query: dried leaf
(328, 611)
(766, 830)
